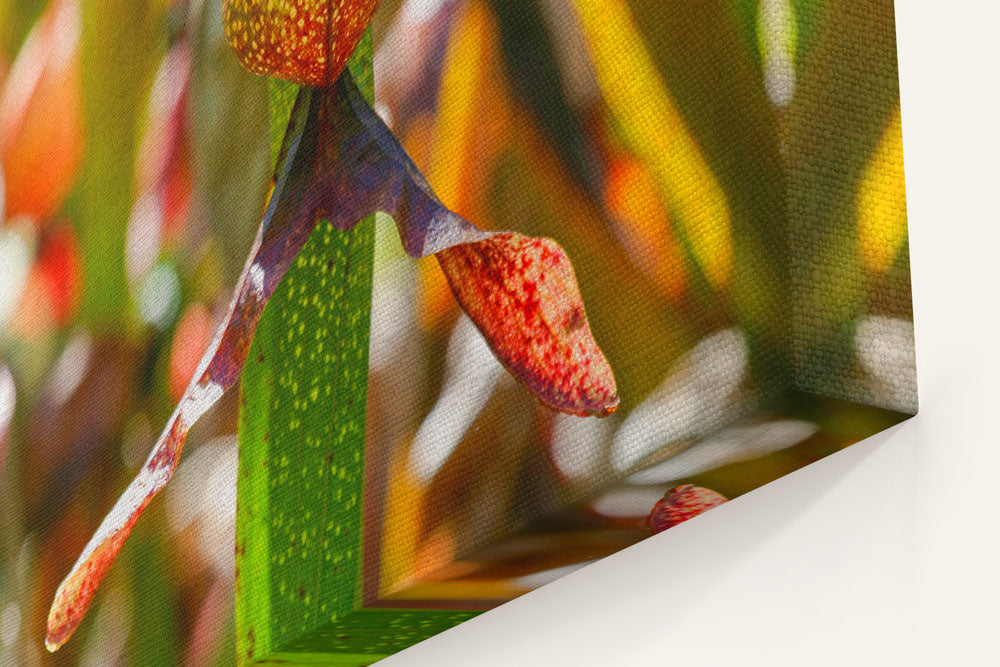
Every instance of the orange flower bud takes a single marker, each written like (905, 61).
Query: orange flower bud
(680, 504)
(304, 41)
(522, 294)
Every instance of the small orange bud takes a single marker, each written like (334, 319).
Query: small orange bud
(304, 41)
(522, 294)
(680, 504)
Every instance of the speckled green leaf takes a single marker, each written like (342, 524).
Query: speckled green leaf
(302, 433)
(367, 635)
(302, 429)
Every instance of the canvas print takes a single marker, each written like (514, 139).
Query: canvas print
(325, 327)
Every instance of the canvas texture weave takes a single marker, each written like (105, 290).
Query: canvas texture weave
(325, 327)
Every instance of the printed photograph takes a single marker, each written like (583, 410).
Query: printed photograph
(325, 327)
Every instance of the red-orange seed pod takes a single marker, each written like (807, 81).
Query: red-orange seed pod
(680, 504)
(304, 41)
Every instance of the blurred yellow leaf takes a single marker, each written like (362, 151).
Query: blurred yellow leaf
(472, 116)
(644, 226)
(461, 143)
(656, 132)
(398, 552)
(881, 202)
(418, 140)
(436, 302)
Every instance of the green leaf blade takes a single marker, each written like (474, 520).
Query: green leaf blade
(302, 432)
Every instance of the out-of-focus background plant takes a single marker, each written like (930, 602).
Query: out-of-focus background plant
(656, 143)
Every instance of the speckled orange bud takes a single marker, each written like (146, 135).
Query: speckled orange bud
(522, 294)
(304, 41)
(680, 504)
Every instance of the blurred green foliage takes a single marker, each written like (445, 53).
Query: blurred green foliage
(121, 43)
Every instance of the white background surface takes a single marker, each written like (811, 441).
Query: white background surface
(887, 553)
